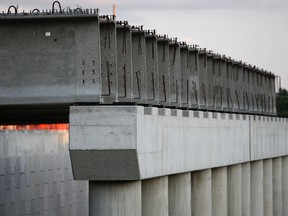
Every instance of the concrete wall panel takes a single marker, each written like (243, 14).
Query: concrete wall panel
(36, 176)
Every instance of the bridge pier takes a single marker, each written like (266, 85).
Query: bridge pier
(277, 187)
(257, 188)
(201, 193)
(180, 194)
(166, 162)
(115, 198)
(234, 190)
(155, 197)
(219, 192)
(245, 188)
(268, 186)
(285, 184)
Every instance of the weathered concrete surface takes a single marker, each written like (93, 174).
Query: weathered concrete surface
(268, 187)
(55, 61)
(115, 198)
(202, 193)
(269, 137)
(108, 149)
(285, 184)
(234, 190)
(36, 176)
(219, 192)
(277, 187)
(256, 206)
(155, 199)
(180, 194)
(245, 187)
(133, 142)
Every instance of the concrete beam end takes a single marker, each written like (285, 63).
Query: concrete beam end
(108, 165)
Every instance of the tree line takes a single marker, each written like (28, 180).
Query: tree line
(282, 102)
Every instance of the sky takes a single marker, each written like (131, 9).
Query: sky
(253, 31)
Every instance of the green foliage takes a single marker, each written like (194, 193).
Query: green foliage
(282, 103)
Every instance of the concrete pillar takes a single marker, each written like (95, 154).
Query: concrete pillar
(155, 197)
(115, 198)
(257, 188)
(180, 194)
(202, 193)
(268, 187)
(234, 190)
(219, 192)
(277, 187)
(285, 184)
(245, 187)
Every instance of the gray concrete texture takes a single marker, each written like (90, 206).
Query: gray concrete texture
(141, 141)
(89, 58)
(242, 189)
(36, 176)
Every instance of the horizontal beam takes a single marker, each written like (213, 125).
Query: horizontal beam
(135, 143)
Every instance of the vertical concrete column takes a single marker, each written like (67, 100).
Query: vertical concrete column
(245, 187)
(234, 190)
(180, 194)
(285, 184)
(277, 187)
(268, 187)
(257, 188)
(202, 193)
(155, 197)
(115, 198)
(219, 192)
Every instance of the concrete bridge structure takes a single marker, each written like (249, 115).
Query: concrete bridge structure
(158, 161)
(147, 123)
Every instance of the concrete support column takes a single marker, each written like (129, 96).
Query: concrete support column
(219, 192)
(245, 187)
(115, 198)
(155, 197)
(202, 193)
(285, 184)
(268, 187)
(234, 190)
(277, 187)
(257, 188)
(180, 194)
